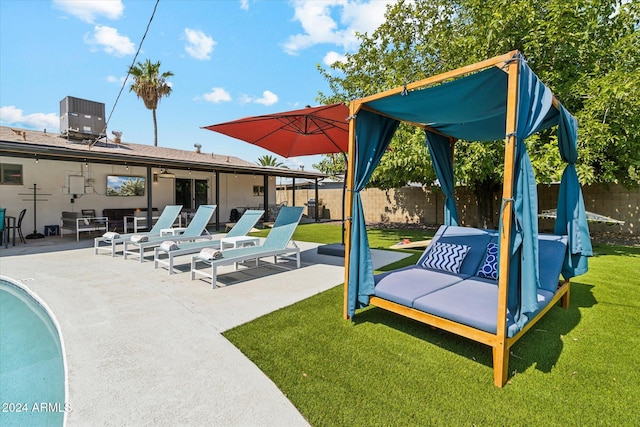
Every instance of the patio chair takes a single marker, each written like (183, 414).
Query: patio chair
(17, 226)
(276, 243)
(244, 225)
(194, 231)
(166, 220)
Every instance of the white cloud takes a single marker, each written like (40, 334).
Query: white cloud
(199, 45)
(110, 41)
(244, 4)
(318, 20)
(114, 79)
(11, 116)
(293, 162)
(268, 98)
(89, 10)
(245, 99)
(216, 95)
(332, 57)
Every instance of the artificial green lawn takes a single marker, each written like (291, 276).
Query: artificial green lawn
(579, 366)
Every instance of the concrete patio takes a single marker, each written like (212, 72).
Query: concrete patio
(146, 348)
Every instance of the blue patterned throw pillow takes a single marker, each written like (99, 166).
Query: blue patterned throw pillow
(489, 268)
(446, 256)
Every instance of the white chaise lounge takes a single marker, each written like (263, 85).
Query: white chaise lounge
(166, 256)
(194, 231)
(276, 243)
(108, 241)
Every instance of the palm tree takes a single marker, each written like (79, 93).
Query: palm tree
(269, 160)
(151, 86)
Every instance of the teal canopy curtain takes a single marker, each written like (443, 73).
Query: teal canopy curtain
(571, 215)
(534, 102)
(373, 134)
(440, 151)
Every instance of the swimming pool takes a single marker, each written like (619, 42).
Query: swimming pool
(32, 364)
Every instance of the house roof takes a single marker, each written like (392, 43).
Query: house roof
(15, 142)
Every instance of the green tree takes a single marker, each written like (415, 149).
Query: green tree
(269, 160)
(150, 86)
(333, 164)
(586, 51)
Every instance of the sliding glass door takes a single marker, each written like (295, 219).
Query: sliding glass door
(191, 193)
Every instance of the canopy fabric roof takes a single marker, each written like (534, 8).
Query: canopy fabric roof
(497, 99)
(472, 108)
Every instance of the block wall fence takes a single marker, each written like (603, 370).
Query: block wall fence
(419, 205)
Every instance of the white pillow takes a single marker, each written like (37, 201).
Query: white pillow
(446, 257)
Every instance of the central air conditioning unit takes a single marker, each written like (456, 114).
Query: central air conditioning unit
(81, 118)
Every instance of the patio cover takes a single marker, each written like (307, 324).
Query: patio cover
(495, 99)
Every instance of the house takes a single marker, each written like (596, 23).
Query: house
(64, 174)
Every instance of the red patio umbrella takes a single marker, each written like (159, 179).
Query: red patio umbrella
(312, 130)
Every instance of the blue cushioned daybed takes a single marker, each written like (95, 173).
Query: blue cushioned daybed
(466, 297)
(488, 286)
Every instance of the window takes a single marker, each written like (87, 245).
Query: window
(258, 190)
(10, 174)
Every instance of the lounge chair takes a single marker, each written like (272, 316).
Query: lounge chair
(166, 220)
(275, 244)
(241, 228)
(194, 231)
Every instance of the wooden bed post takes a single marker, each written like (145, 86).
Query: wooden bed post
(567, 295)
(351, 165)
(501, 348)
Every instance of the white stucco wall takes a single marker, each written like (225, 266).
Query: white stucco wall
(52, 180)
(236, 191)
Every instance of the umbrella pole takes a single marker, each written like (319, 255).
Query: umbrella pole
(317, 201)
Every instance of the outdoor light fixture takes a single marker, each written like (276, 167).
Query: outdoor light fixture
(164, 173)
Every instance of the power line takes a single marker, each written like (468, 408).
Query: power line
(124, 83)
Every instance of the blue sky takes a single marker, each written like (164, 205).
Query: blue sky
(230, 59)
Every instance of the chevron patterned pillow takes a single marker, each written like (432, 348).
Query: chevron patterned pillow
(446, 256)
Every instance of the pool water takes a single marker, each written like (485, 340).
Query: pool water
(32, 368)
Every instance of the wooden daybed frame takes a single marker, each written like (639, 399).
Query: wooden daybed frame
(499, 342)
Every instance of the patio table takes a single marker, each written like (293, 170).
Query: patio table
(135, 220)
